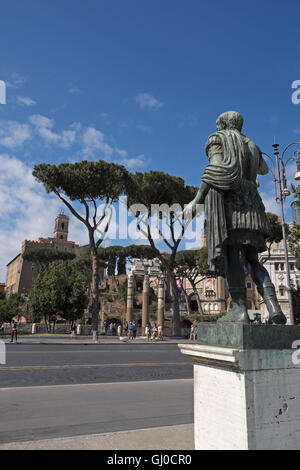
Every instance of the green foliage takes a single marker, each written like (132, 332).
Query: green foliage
(116, 256)
(296, 304)
(294, 234)
(10, 307)
(296, 191)
(294, 243)
(157, 187)
(192, 263)
(87, 183)
(44, 256)
(275, 232)
(83, 264)
(83, 180)
(58, 290)
(276, 228)
(163, 197)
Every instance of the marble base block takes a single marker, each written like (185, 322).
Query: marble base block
(245, 399)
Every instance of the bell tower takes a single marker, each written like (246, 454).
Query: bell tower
(61, 227)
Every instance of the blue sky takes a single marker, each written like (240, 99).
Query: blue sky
(137, 82)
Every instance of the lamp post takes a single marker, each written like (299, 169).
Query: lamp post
(281, 192)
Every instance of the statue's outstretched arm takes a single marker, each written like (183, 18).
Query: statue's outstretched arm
(262, 167)
(199, 199)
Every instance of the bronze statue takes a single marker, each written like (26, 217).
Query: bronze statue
(236, 222)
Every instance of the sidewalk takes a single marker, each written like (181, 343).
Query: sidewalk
(87, 340)
(179, 437)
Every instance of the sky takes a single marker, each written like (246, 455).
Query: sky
(140, 83)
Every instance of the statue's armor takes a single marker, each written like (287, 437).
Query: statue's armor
(246, 220)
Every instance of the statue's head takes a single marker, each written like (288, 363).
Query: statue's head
(230, 120)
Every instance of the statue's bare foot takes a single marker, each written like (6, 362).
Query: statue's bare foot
(236, 316)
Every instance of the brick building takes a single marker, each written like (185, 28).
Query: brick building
(20, 273)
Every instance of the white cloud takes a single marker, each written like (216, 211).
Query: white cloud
(145, 129)
(13, 134)
(74, 90)
(93, 141)
(147, 101)
(122, 153)
(270, 203)
(27, 211)
(44, 128)
(136, 162)
(15, 81)
(25, 100)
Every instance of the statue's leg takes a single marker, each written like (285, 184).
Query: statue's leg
(264, 286)
(235, 275)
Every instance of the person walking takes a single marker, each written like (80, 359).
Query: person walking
(131, 327)
(134, 330)
(73, 330)
(149, 329)
(154, 332)
(159, 333)
(14, 333)
(192, 334)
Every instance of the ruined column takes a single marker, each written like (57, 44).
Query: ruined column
(145, 310)
(161, 301)
(130, 294)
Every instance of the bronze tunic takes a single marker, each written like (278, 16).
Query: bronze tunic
(235, 213)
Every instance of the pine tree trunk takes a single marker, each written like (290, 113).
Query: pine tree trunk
(200, 309)
(93, 306)
(175, 306)
(187, 303)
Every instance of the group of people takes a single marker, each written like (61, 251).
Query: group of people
(154, 332)
(132, 329)
(111, 328)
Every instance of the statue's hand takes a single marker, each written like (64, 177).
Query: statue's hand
(189, 211)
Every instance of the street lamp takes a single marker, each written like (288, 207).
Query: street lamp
(281, 192)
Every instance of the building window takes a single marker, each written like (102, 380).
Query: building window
(62, 226)
(281, 292)
(292, 266)
(249, 285)
(279, 266)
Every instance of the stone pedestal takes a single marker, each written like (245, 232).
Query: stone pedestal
(246, 395)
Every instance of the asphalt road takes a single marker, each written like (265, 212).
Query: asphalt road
(49, 391)
(35, 365)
